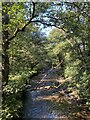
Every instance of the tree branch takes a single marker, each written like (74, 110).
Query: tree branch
(23, 28)
(48, 24)
(79, 8)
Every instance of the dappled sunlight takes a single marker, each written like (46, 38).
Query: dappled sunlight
(49, 97)
(55, 94)
(45, 61)
(45, 87)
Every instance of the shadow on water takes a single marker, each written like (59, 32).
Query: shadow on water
(44, 103)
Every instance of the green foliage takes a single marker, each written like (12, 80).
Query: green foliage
(27, 57)
(12, 99)
(74, 49)
(29, 52)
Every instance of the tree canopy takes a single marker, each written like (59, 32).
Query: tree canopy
(27, 51)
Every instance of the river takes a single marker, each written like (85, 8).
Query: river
(41, 100)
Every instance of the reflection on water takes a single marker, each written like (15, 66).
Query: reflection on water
(40, 103)
(39, 108)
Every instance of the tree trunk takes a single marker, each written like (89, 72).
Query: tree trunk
(5, 47)
(5, 63)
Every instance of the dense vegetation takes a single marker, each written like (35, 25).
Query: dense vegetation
(26, 51)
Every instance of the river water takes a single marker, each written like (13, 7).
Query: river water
(40, 99)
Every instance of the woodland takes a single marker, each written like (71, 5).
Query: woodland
(38, 36)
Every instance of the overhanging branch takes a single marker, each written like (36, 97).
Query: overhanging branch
(23, 28)
(48, 24)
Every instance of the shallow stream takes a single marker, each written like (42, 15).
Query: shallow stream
(40, 101)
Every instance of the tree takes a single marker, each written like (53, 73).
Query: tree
(26, 51)
(61, 18)
(76, 45)
(19, 16)
(10, 11)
